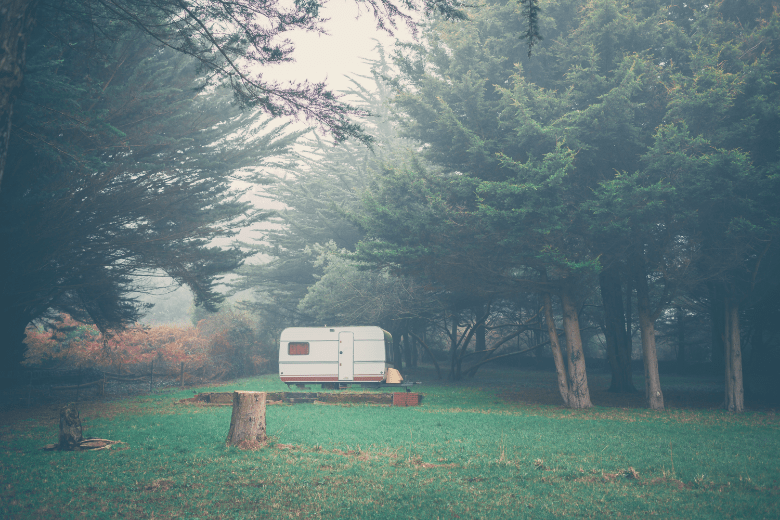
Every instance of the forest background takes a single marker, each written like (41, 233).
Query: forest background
(609, 195)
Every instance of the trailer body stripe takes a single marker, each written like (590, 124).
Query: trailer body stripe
(293, 379)
(365, 378)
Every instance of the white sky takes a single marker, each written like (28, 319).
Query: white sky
(339, 53)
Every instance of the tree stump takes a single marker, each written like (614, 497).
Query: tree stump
(70, 428)
(247, 423)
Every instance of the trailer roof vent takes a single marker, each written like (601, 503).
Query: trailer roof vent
(333, 330)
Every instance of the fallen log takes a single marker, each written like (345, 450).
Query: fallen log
(97, 444)
(88, 445)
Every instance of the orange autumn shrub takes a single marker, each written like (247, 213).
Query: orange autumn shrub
(221, 344)
(67, 342)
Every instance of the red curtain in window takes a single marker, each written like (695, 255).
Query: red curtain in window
(298, 349)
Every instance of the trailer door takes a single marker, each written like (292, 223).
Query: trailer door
(346, 356)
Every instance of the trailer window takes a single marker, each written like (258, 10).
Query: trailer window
(298, 349)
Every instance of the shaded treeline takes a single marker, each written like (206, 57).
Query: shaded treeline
(617, 188)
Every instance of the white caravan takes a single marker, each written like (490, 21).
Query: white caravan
(334, 355)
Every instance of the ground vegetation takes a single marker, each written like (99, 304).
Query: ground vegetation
(485, 448)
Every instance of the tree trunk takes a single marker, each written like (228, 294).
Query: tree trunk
(653, 394)
(458, 374)
(555, 346)
(480, 334)
(430, 354)
(453, 344)
(407, 345)
(415, 351)
(536, 325)
(628, 347)
(470, 331)
(247, 424)
(70, 428)
(681, 366)
(735, 393)
(413, 343)
(615, 331)
(717, 324)
(397, 357)
(16, 20)
(579, 395)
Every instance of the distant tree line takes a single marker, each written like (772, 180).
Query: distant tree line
(621, 179)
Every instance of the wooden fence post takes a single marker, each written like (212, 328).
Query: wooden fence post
(151, 377)
(181, 376)
(247, 423)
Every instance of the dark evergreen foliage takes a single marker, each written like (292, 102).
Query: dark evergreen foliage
(640, 139)
(120, 165)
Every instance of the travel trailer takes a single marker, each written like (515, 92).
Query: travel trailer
(335, 355)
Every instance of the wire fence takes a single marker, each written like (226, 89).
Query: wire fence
(34, 386)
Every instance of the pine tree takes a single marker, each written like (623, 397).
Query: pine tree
(120, 166)
(623, 103)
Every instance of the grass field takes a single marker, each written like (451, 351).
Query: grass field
(493, 447)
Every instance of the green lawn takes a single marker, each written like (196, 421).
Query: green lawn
(477, 449)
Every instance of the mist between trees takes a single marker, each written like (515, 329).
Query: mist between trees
(123, 128)
(612, 196)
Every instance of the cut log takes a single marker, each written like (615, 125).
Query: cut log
(97, 444)
(88, 445)
(70, 428)
(247, 423)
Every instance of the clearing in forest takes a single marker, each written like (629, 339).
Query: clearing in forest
(485, 448)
